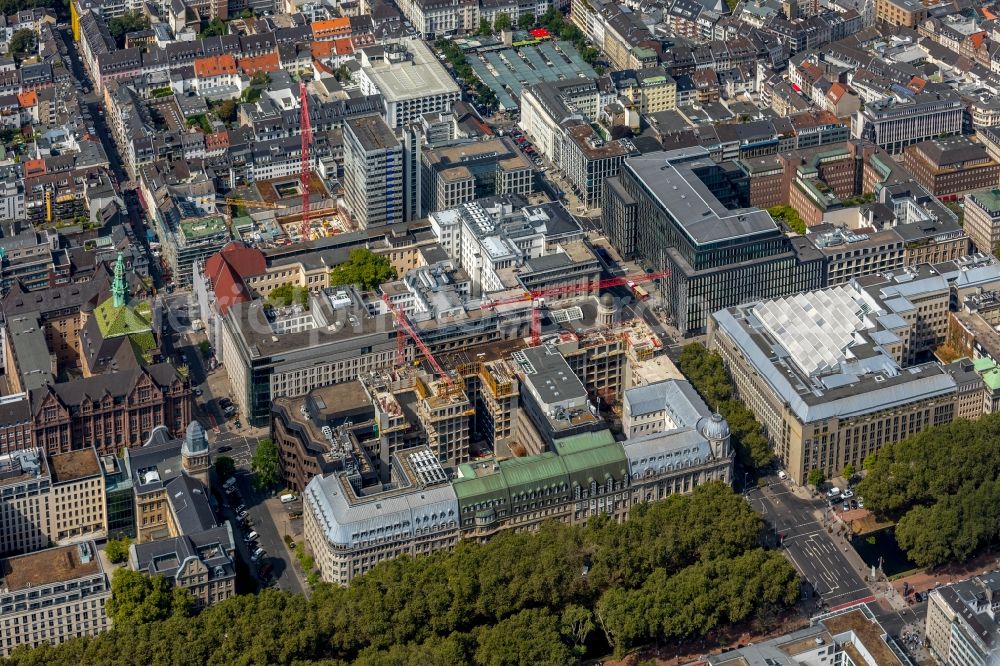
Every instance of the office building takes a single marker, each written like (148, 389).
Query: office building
(77, 498)
(457, 174)
(25, 512)
(901, 13)
(52, 596)
(203, 562)
(852, 254)
(410, 79)
(953, 165)
(59, 499)
(833, 375)
(718, 253)
(587, 160)
(373, 173)
(170, 482)
(352, 523)
(289, 351)
(848, 636)
(982, 219)
(961, 626)
(895, 123)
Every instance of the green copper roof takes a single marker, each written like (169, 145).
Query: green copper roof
(471, 485)
(983, 364)
(592, 455)
(992, 378)
(540, 470)
(115, 321)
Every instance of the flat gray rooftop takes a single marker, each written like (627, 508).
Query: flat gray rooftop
(669, 177)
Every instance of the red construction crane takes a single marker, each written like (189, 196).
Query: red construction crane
(403, 322)
(306, 131)
(536, 312)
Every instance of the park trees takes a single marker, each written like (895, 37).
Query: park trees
(941, 486)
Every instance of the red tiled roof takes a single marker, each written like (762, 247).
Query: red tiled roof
(215, 66)
(266, 63)
(226, 271)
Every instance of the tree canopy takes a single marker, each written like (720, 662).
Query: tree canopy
(264, 464)
(130, 21)
(708, 375)
(942, 487)
(288, 294)
(117, 549)
(21, 42)
(676, 569)
(363, 268)
(789, 216)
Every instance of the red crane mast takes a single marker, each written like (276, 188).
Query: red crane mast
(403, 322)
(305, 128)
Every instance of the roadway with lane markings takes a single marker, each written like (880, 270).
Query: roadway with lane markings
(819, 556)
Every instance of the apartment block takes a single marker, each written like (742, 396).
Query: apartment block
(457, 174)
(77, 497)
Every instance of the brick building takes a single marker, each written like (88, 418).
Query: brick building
(949, 166)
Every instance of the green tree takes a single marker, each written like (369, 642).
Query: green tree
(117, 549)
(848, 472)
(576, 623)
(205, 347)
(138, 599)
(130, 21)
(485, 27)
(789, 216)
(260, 79)
(996, 251)
(530, 637)
(264, 465)
(816, 477)
(501, 22)
(363, 268)
(246, 14)
(22, 42)
(215, 28)
(526, 21)
(226, 110)
(225, 467)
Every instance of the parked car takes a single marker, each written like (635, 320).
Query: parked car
(252, 536)
(198, 392)
(848, 494)
(242, 514)
(241, 507)
(782, 474)
(225, 449)
(847, 507)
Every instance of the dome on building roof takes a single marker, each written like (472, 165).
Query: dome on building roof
(714, 427)
(195, 442)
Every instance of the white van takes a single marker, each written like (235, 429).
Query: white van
(287, 499)
(834, 492)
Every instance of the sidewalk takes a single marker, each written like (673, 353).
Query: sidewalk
(924, 581)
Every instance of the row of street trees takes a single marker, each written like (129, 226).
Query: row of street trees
(707, 374)
(677, 570)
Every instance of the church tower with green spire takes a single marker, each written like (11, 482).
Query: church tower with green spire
(119, 288)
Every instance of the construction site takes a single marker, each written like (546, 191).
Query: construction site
(292, 208)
